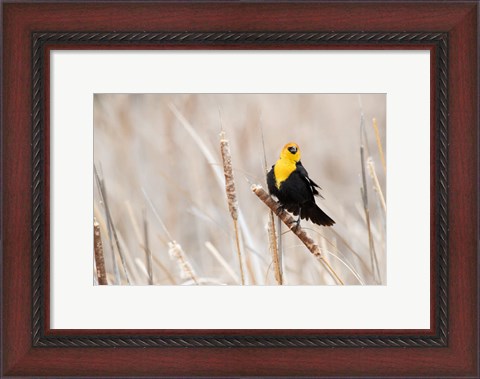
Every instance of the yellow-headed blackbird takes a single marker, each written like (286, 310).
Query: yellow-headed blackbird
(289, 182)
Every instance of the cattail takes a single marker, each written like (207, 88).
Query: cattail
(229, 180)
(295, 228)
(231, 196)
(274, 244)
(98, 249)
(186, 270)
(272, 237)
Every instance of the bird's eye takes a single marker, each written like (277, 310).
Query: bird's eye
(292, 149)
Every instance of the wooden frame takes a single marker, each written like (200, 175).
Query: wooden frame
(30, 347)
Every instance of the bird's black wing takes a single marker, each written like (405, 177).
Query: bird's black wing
(304, 174)
(310, 210)
(272, 188)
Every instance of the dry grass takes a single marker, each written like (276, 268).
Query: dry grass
(379, 143)
(167, 146)
(377, 187)
(366, 208)
(112, 231)
(148, 253)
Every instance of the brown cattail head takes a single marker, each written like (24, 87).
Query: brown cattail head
(229, 180)
(99, 258)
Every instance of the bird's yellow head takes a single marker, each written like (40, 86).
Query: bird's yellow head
(290, 152)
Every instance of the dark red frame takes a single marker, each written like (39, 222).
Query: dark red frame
(459, 358)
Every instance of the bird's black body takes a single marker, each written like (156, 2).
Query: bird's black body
(296, 195)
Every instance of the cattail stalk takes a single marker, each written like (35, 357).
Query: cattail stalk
(99, 258)
(272, 236)
(274, 244)
(296, 229)
(231, 196)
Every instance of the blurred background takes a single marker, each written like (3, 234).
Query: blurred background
(160, 179)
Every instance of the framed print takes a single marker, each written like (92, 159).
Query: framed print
(225, 189)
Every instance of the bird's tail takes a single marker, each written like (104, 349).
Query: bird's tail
(311, 211)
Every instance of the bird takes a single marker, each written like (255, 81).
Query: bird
(289, 182)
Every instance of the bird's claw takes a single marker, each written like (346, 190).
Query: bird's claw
(296, 224)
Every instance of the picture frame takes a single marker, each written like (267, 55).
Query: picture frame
(31, 348)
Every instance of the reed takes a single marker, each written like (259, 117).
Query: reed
(376, 183)
(165, 270)
(216, 254)
(111, 225)
(148, 252)
(364, 193)
(379, 143)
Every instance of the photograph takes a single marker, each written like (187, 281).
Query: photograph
(240, 189)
